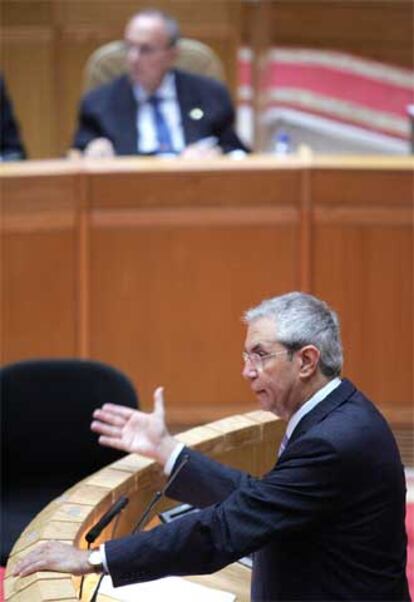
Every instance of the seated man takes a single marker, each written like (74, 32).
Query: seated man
(155, 109)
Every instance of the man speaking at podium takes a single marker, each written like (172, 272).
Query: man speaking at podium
(326, 523)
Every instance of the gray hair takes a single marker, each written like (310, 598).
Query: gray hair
(171, 25)
(301, 319)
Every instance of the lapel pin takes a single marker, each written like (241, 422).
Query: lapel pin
(196, 113)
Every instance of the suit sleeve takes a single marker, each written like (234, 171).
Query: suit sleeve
(225, 130)
(296, 494)
(89, 123)
(203, 481)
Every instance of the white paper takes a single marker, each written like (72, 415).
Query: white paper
(168, 588)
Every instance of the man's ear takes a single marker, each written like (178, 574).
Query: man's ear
(309, 360)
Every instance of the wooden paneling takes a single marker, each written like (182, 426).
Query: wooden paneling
(39, 272)
(378, 29)
(149, 265)
(363, 265)
(27, 61)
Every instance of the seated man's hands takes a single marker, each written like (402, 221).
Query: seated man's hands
(133, 431)
(194, 151)
(54, 556)
(98, 148)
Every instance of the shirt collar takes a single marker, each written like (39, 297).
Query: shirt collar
(166, 90)
(310, 404)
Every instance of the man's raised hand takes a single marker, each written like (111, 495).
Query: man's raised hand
(134, 431)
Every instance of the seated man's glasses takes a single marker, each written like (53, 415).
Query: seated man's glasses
(144, 49)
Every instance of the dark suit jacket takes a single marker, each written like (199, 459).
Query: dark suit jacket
(11, 146)
(326, 523)
(110, 111)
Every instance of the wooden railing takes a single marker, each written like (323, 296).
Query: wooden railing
(249, 442)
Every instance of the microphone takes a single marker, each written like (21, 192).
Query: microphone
(159, 494)
(97, 529)
(143, 518)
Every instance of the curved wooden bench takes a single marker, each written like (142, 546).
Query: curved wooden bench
(247, 441)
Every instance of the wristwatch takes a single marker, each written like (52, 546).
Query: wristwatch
(95, 560)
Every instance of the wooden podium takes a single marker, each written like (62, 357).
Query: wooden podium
(246, 441)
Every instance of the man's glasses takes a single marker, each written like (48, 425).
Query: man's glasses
(258, 360)
(144, 49)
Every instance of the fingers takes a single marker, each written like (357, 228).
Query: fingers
(159, 402)
(36, 560)
(113, 412)
(110, 417)
(112, 442)
(105, 429)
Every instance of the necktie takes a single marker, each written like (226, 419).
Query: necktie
(161, 127)
(283, 444)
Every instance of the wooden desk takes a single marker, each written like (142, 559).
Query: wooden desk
(149, 264)
(249, 441)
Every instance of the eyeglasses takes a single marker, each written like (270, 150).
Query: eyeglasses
(144, 49)
(258, 360)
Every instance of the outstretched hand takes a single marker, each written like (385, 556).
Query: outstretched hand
(134, 431)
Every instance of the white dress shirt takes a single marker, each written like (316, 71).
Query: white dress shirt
(167, 93)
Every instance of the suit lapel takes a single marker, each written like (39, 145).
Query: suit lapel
(189, 102)
(125, 114)
(325, 407)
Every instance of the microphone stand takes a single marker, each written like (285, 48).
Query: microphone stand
(143, 518)
(94, 532)
(159, 495)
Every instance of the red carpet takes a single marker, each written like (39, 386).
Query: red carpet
(1, 584)
(410, 530)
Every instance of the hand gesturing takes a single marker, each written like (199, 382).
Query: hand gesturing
(133, 431)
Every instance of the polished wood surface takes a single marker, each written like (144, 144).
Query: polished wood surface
(149, 265)
(45, 44)
(249, 442)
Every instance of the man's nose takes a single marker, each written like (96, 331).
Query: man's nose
(249, 371)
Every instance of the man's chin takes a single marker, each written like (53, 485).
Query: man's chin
(263, 400)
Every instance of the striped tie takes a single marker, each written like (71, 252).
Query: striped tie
(283, 444)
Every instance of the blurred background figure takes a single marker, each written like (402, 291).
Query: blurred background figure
(11, 145)
(156, 109)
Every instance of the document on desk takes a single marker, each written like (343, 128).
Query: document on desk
(168, 588)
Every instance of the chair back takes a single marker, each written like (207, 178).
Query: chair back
(109, 61)
(47, 444)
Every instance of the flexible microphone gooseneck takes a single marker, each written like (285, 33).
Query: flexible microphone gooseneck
(143, 518)
(158, 495)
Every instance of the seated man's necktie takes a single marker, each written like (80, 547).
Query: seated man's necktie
(163, 133)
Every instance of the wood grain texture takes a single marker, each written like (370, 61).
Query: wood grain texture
(149, 266)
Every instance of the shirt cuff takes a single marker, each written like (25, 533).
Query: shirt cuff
(169, 465)
(103, 554)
